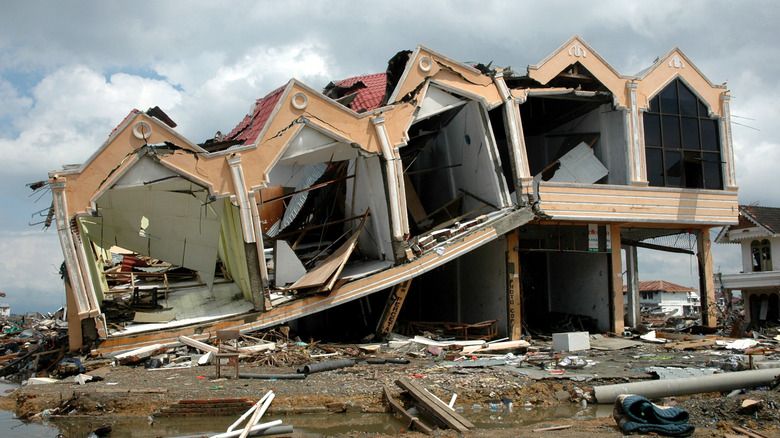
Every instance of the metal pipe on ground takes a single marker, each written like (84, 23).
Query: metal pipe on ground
(380, 361)
(326, 366)
(271, 376)
(688, 385)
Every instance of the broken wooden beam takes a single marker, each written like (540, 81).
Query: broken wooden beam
(392, 308)
(437, 408)
(412, 420)
(198, 345)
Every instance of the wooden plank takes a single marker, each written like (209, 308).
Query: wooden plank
(413, 421)
(270, 211)
(551, 428)
(435, 407)
(392, 308)
(690, 345)
(329, 269)
(749, 432)
(198, 345)
(413, 203)
(154, 317)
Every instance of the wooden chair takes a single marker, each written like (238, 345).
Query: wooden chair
(225, 357)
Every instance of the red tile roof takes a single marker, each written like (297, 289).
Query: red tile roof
(370, 91)
(127, 117)
(249, 129)
(662, 286)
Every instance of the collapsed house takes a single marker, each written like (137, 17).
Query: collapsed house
(475, 193)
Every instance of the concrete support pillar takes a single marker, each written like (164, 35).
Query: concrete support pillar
(514, 288)
(632, 281)
(709, 315)
(616, 290)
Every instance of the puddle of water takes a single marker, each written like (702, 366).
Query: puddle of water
(11, 427)
(321, 424)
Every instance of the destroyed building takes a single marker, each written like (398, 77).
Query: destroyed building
(474, 193)
(758, 234)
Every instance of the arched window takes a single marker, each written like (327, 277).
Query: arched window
(761, 255)
(682, 142)
(755, 255)
(766, 255)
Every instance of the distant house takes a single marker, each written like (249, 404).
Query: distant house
(667, 297)
(5, 310)
(758, 232)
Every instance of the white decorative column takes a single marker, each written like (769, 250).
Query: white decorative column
(637, 169)
(239, 187)
(395, 181)
(514, 127)
(72, 261)
(727, 142)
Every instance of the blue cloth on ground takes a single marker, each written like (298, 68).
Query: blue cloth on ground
(634, 413)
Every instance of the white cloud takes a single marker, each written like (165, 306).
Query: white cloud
(29, 271)
(219, 95)
(74, 110)
(12, 101)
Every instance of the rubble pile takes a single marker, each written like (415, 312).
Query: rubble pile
(32, 343)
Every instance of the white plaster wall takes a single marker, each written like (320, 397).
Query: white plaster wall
(579, 284)
(483, 295)
(610, 148)
(477, 156)
(367, 191)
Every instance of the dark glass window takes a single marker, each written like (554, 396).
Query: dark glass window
(682, 143)
(761, 255)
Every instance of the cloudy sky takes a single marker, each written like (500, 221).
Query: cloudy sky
(70, 72)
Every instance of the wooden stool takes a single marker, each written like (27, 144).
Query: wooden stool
(230, 357)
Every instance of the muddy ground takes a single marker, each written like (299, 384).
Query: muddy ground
(137, 391)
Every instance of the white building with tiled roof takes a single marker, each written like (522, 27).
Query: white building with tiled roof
(758, 232)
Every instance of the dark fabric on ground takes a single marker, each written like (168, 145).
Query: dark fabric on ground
(636, 414)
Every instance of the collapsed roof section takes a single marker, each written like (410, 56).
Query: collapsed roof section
(310, 194)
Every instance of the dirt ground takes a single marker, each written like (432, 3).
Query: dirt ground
(137, 391)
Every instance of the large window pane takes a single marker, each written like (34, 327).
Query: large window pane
(694, 176)
(655, 106)
(671, 132)
(703, 112)
(688, 101)
(669, 99)
(690, 133)
(652, 130)
(713, 175)
(674, 168)
(655, 166)
(709, 135)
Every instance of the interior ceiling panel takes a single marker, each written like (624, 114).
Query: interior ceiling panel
(312, 146)
(171, 220)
